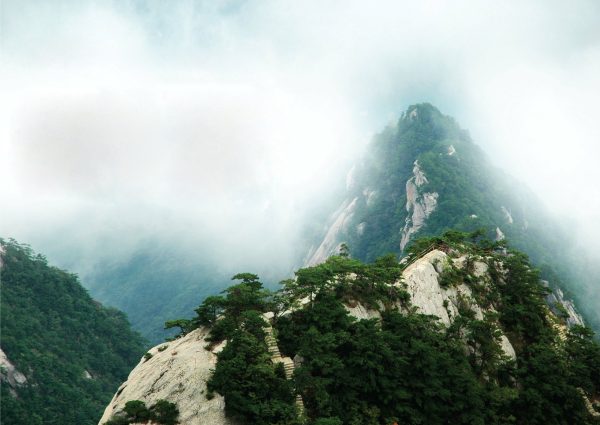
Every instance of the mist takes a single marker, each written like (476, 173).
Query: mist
(226, 124)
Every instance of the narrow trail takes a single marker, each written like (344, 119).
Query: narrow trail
(276, 357)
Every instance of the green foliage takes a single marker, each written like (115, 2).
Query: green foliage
(255, 391)
(54, 332)
(546, 396)
(352, 280)
(328, 421)
(223, 313)
(185, 326)
(362, 372)
(583, 359)
(209, 310)
(137, 411)
(162, 412)
(451, 275)
(163, 278)
(523, 310)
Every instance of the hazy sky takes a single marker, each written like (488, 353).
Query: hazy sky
(227, 119)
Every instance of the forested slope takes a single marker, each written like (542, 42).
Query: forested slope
(69, 353)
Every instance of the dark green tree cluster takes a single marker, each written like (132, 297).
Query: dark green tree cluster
(548, 368)
(351, 280)
(256, 391)
(162, 412)
(402, 369)
(223, 313)
(73, 351)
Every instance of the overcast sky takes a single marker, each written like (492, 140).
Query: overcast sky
(227, 119)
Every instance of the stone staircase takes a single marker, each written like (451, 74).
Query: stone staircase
(276, 357)
(588, 404)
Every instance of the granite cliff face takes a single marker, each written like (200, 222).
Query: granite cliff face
(563, 307)
(331, 241)
(10, 374)
(176, 372)
(430, 297)
(419, 206)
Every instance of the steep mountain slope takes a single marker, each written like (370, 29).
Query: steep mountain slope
(158, 282)
(423, 176)
(161, 278)
(459, 333)
(62, 353)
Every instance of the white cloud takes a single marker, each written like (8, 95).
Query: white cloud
(237, 114)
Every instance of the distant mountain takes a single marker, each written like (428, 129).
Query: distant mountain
(62, 353)
(423, 176)
(158, 281)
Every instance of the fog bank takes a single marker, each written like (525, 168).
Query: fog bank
(225, 123)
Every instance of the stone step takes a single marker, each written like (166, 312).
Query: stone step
(299, 404)
(288, 366)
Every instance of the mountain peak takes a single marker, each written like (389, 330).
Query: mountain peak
(423, 112)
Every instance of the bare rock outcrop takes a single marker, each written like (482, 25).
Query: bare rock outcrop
(341, 221)
(507, 215)
(499, 234)
(422, 279)
(418, 205)
(361, 312)
(563, 307)
(10, 374)
(176, 372)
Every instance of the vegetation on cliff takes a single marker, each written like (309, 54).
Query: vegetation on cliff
(136, 412)
(404, 367)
